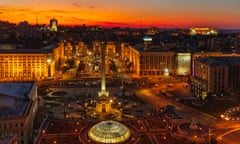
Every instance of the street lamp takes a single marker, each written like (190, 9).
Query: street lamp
(49, 60)
(49, 66)
(166, 71)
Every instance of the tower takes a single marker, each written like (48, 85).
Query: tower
(36, 19)
(147, 42)
(103, 104)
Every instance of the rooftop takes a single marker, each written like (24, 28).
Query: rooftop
(218, 61)
(10, 48)
(211, 61)
(13, 98)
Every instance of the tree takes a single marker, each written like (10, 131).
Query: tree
(112, 66)
(81, 66)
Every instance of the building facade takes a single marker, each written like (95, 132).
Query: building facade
(210, 77)
(18, 108)
(214, 76)
(149, 63)
(26, 64)
(203, 31)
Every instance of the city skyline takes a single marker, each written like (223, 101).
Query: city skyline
(164, 14)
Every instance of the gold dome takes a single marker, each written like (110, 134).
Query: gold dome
(109, 132)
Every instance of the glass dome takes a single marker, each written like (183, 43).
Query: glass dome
(109, 132)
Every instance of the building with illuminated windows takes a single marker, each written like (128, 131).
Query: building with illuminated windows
(36, 64)
(203, 31)
(154, 62)
(18, 106)
(149, 62)
(211, 77)
(26, 64)
(197, 55)
(110, 48)
(215, 76)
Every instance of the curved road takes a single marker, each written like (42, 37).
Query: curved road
(186, 112)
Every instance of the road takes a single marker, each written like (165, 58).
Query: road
(186, 112)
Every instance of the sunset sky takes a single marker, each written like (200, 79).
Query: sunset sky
(125, 13)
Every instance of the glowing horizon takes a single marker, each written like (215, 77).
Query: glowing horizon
(125, 13)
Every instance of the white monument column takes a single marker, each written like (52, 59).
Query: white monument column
(103, 104)
(103, 91)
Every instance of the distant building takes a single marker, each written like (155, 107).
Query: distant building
(152, 31)
(53, 25)
(26, 31)
(18, 106)
(7, 30)
(147, 42)
(203, 31)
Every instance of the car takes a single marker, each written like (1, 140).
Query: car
(170, 85)
(185, 85)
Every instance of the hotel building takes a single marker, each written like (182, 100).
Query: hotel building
(215, 76)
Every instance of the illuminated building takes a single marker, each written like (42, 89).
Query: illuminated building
(152, 31)
(150, 62)
(157, 63)
(18, 106)
(203, 31)
(210, 54)
(68, 51)
(215, 75)
(53, 25)
(58, 56)
(110, 48)
(81, 48)
(26, 64)
(97, 47)
(211, 77)
(183, 64)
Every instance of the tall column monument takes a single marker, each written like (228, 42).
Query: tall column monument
(103, 104)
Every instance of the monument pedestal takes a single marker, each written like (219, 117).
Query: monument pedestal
(103, 104)
(103, 107)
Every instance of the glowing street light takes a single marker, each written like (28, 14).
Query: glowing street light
(49, 60)
(222, 116)
(166, 70)
(49, 67)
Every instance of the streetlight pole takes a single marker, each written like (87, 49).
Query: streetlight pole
(49, 66)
